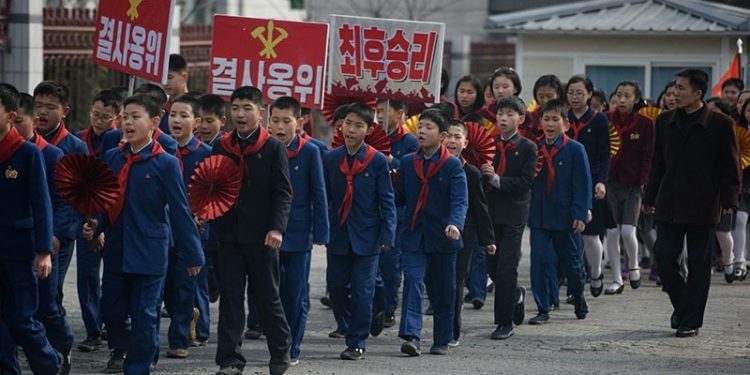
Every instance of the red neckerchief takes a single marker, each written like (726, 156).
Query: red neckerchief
(503, 147)
(157, 133)
(10, 144)
(235, 149)
(122, 177)
(432, 170)
(577, 126)
(61, 133)
(349, 173)
(187, 150)
(305, 136)
(40, 142)
(618, 120)
(291, 154)
(398, 134)
(547, 157)
(86, 137)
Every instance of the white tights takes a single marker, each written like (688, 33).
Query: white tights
(630, 243)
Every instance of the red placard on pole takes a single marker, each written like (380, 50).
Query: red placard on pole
(386, 59)
(281, 58)
(132, 36)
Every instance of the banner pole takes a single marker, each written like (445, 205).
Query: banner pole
(385, 115)
(131, 85)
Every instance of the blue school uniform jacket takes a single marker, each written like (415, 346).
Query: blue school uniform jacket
(112, 140)
(97, 142)
(322, 148)
(138, 241)
(447, 204)
(403, 146)
(51, 156)
(26, 215)
(67, 220)
(570, 198)
(372, 219)
(308, 216)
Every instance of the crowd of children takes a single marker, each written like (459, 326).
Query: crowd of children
(580, 176)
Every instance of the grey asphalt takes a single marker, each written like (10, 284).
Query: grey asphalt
(623, 334)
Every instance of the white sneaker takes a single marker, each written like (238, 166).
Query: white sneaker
(453, 344)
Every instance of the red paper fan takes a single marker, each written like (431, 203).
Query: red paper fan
(214, 187)
(481, 145)
(86, 183)
(332, 102)
(378, 139)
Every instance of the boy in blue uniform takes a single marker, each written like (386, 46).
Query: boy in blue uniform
(432, 186)
(135, 255)
(478, 224)
(560, 204)
(213, 110)
(363, 223)
(389, 278)
(104, 115)
(51, 100)
(308, 222)
(182, 292)
(26, 229)
(114, 138)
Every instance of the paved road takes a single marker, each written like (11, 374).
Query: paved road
(624, 334)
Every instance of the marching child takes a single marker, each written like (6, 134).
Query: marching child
(214, 110)
(362, 222)
(432, 186)
(560, 202)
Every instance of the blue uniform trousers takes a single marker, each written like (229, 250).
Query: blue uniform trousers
(442, 280)
(8, 361)
(65, 255)
(18, 303)
(136, 296)
(477, 282)
(546, 248)
(294, 273)
(352, 274)
(389, 281)
(179, 299)
(88, 266)
(50, 313)
(202, 301)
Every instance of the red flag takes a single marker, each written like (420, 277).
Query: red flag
(732, 72)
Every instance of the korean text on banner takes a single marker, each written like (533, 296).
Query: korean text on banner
(281, 58)
(388, 59)
(132, 36)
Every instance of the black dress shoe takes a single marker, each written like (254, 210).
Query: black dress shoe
(570, 300)
(65, 370)
(326, 301)
(478, 303)
(467, 298)
(439, 350)
(635, 284)
(686, 332)
(254, 333)
(491, 287)
(729, 277)
(353, 354)
(581, 307)
(674, 321)
(116, 362)
(337, 334)
(411, 348)
(540, 318)
(278, 367)
(597, 291)
(377, 324)
(502, 332)
(519, 311)
(390, 320)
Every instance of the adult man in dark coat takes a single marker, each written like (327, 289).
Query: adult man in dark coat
(694, 180)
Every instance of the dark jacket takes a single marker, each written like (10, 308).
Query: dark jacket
(694, 173)
(265, 196)
(630, 167)
(510, 203)
(478, 224)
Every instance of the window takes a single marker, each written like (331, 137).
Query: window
(606, 77)
(661, 75)
(297, 4)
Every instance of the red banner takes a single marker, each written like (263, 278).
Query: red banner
(132, 36)
(281, 58)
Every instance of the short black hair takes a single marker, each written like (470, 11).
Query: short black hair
(53, 88)
(513, 103)
(698, 79)
(8, 86)
(720, 104)
(437, 117)
(398, 105)
(148, 102)
(9, 99)
(26, 103)
(211, 103)
(509, 73)
(447, 109)
(177, 63)
(557, 106)
(154, 91)
(458, 124)
(287, 102)
(109, 98)
(736, 82)
(248, 93)
(361, 110)
(120, 90)
(193, 102)
(340, 113)
(549, 80)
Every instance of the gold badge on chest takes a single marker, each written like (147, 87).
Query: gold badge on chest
(635, 136)
(11, 173)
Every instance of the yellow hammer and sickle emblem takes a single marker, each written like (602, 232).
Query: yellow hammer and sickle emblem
(269, 42)
(133, 11)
